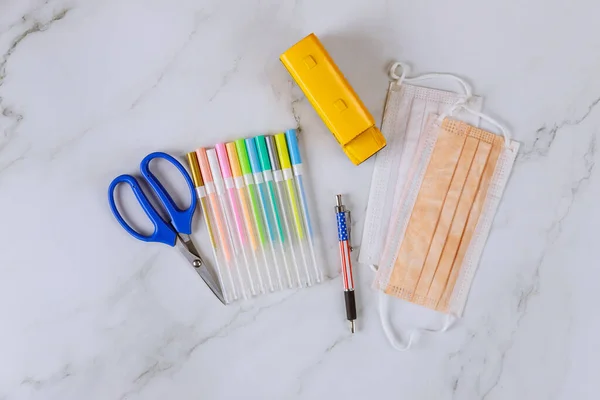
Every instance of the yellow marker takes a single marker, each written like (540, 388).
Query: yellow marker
(201, 192)
(286, 167)
(333, 98)
(226, 285)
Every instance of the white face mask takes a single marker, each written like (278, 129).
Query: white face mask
(406, 111)
(424, 259)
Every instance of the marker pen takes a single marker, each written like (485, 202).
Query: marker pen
(267, 209)
(210, 225)
(259, 212)
(291, 197)
(285, 211)
(217, 213)
(213, 162)
(283, 236)
(296, 160)
(251, 215)
(243, 241)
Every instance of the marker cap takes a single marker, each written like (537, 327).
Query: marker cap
(223, 160)
(263, 153)
(234, 161)
(242, 152)
(282, 150)
(204, 165)
(196, 175)
(292, 143)
(213, 161)
(272, 148)
(253, 155)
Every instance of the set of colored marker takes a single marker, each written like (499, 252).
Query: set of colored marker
(252, 196)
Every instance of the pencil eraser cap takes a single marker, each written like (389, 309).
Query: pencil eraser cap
(263, 153)
(253, 155)
(242, 153)
(234, 160)
(292, 142)
(282, 150)
(223, 159)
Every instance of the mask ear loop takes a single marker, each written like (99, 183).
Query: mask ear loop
(405, 70)
(503, 130)
(449, 320)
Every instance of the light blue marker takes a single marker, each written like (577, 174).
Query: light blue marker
(294, 151)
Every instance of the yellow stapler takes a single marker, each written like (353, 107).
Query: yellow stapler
(333, 98)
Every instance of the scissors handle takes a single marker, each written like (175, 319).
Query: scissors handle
(180, 219)
(163, 233)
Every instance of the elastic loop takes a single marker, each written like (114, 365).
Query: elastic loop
(387, 328)
(468, 92)
(449, 320)
(394, 67)
(504, 131)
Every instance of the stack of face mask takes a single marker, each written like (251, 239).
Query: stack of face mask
(434, 193)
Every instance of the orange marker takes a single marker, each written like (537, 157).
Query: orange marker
(239, 184)
(216, 210)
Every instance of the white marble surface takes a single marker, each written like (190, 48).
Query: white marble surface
(87, 88)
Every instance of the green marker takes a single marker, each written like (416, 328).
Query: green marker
(265, 164)
(249, 180)
(259, 226)
(275, 204)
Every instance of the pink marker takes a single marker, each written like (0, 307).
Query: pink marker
(229, 185)
(237, 217)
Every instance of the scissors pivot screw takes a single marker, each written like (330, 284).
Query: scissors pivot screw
(197, 263)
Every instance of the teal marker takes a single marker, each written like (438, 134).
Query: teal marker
(259, 181)
(265, 164)
(287, 250)
(270, 217)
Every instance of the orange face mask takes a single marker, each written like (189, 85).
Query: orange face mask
(445, 214)
(448, 203)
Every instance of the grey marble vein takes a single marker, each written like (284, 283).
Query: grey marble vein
(40, 383)
(544, 136)
(304, 374)
(6, 110)
(171, 62)
(226, 77)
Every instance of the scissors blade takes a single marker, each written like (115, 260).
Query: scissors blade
(188, 249)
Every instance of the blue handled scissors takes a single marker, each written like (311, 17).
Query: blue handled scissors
(176, 231)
